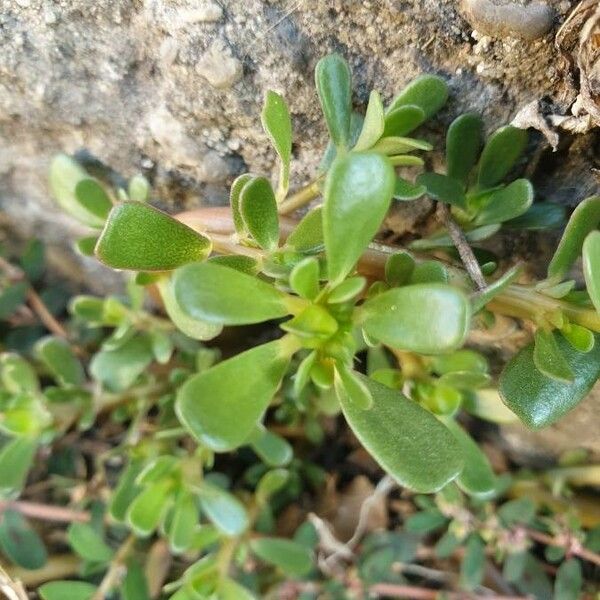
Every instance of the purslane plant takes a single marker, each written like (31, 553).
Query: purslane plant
(335, 295)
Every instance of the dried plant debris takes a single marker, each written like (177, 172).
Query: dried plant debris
(499, 18)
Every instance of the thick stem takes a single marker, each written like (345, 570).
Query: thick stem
(301, 197)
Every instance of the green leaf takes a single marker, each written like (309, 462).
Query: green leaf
(278, 126)
(16, 458)
(429, 271)
(67, 590)
(32, 260)
(126, 490)
(304, 278)
(429, 92)
(425, 522)
(443, 240)
(217, 294)
(223, 509)
(93, 198)
(358, 192)
(258, 208)
(197, 329)
(292, 558)
(19, 541)
(480, 299)
(569, 580)
(11, 297)
(402, 120)
(64, 175)
(117, 369)
(347, 290)
(272, 448)
(458, 362)
(17, 375)
(184, 521)
(333, 80)
(585, 219)
(350, 388)
(138, 188)
(580, 338)
(142, 238)
(443, 188)
(308, 234)
(88, 544)
(230, 590)
(234, 200)
(86, 246)
(405, 190)
(473, 563)
(406, 440)
(244, 264)
(507, 203)
(591, 266)
(500, 153)
(477, 477)
(424, 318)
(59, 359)
(548, 358)
(270, 483)
(240, 387)
(463, 143)
(135, 584)
(541, 215)
(391, 146)
(373, 124)
(539, 400)
(313, 322)
(399, 268)
(147, 510)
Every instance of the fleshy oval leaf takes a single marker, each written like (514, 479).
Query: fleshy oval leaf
(591, 266)
(428, 92)
(258, 208)
(463, 144)
(500, 153)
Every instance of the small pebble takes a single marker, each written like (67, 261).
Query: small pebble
(219, 67)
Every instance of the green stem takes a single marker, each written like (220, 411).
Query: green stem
(301, 197)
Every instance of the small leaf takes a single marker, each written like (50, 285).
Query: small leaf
(234, 200)
(11, 297)
(138, 188)
(473, 563)
(304, 278)
(86, 245)
(333, 80)
(258, 208)
(460, 361)
(398, 268)
(17, 375)
(351, 388)
(424, 318)
(117, 369)
(270, 483)
(231, 590)
(20, 542)
(429, 271)
(591, 266)
(67, 590)
(541, 215)
(402, 120)
(88, 544)
(391, 146)
(405, 191)
(126, 490)
(569, 580)
(32, 260)
(197, 329)
(223, 509)
(443, 188)
(477, 477)
(539, 400)
(291, 557)
(500, 153)
(60, 360)
(579, 337)
(347, 290)
(463, 143)
(278, 126)
(142, 238)
(496, 287)
(149, 507)
(135, 584)
(93, 198)
(373, 124)
(313, 322)
(217, 294)
(425, 522)
(64, 175)
(239, 262)
(242, 386)
(585, 219)
(507, 203)
(429, 92)
(272, 448)
(16, 458)
(358, 192)
(548, 358)
(406, 440)
(184, 521)
(308, 234)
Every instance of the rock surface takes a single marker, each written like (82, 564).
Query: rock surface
(174, 88)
